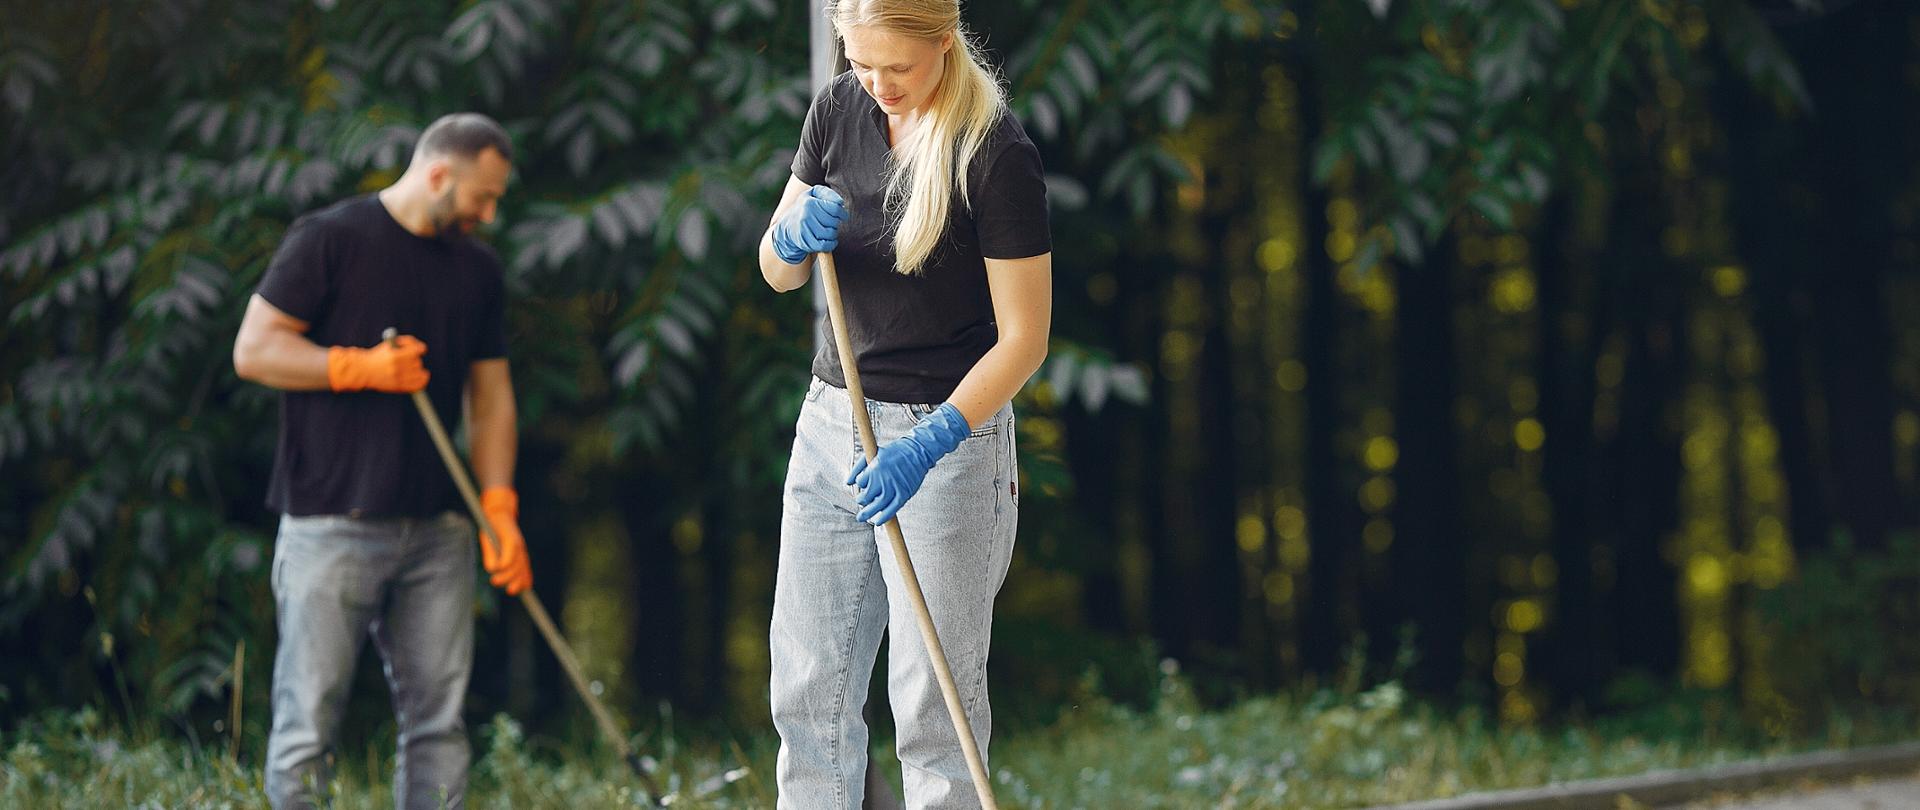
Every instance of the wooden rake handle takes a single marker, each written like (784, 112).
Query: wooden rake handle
(942, 672)
(561, 650)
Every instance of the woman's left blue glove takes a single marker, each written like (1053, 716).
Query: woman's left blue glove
(902, 464)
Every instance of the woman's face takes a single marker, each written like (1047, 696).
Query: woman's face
(900, 73)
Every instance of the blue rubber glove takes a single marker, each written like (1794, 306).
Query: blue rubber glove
(811, 226)
(902, 464)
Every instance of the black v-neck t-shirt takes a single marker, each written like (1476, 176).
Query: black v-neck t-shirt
(915, 337)
(351, 271)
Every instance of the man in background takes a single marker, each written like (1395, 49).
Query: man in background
(372, 541)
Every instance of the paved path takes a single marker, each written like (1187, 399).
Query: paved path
(1878, 778)
(1894, 794)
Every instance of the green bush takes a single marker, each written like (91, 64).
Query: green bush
(1845, 632)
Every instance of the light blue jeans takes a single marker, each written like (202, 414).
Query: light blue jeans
(409, 584)
(838, 589)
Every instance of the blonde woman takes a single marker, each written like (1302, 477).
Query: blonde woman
(930, 196)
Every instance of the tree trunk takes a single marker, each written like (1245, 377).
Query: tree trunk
(1854, 65)
(717, 555)
(1328, 619)
(1164, 489)
(550, 551)
(1770, 206)
(659, 629)
(1429, 552)
(1575, 664)
(1646, 468)
(1092, 457)
(1225, 429)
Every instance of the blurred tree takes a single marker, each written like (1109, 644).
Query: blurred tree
(1464, 112)
(159, 155)
(1814, 208)
(1273, 228)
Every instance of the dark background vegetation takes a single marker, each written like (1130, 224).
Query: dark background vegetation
(1553, 357)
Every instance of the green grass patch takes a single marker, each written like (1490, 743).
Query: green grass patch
(1329, 750)
(1319, 749)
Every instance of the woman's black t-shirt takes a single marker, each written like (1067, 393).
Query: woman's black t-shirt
(915, 337)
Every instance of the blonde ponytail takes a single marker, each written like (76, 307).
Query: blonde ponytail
(932, 162)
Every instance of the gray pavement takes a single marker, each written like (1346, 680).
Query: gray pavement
(1888, 794)
(1877, 778)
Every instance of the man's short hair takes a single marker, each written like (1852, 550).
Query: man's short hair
(464, 135)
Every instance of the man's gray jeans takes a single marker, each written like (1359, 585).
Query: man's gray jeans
(838, 589)
(406, 582)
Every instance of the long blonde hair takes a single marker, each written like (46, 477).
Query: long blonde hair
(934, 159)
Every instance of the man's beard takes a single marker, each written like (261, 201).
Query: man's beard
(444, 217)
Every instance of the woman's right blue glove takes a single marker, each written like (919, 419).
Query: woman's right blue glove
(811, 226)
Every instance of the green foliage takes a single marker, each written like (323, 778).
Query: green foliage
(157, 161)
(76, 760)
(1471, 108)
(1041, 671)
(1348, 748)
(1324, 748)
(1843, 633)
(1104, 78)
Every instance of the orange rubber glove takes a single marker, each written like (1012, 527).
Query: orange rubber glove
(392, 366)
(511, 569)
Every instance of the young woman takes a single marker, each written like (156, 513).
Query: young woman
(931, 198)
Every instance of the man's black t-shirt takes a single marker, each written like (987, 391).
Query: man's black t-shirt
(915, 337)
(351, 271)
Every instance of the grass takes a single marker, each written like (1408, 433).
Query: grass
(1323, 749)
(64, 761)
